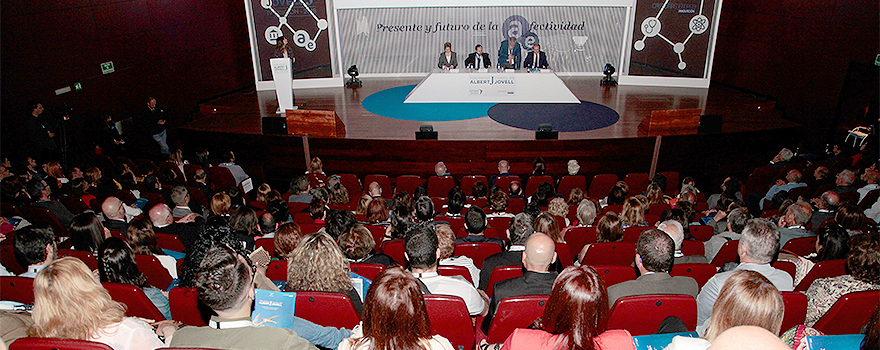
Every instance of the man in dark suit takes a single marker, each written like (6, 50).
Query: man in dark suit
(654, 255)
(187, 228)
(114, 215)
(520, 229)
(537, 280)
(536, 58)
(478, 59)
(510, 54)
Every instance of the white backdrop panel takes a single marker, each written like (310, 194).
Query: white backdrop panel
(409, 40)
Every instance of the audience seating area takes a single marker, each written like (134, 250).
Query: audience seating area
(641, 315)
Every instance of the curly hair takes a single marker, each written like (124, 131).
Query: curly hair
(633, 212)
(339, 194)
(357, 243)
(863, 261)
(317, 264)
(69, 303)
(558, 207)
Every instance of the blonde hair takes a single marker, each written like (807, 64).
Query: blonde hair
(445, 240)
(263, 192)
(747, 298)
(69, 302)
(317, 264)
(221, 203)
(363, 203)
(558, 207)
(633, 212)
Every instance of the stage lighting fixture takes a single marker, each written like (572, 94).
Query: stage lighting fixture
(608, 71)
(354, 82)
(545, 132)
(426, 132)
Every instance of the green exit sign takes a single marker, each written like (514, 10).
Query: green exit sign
(107, 67)
(77, 86)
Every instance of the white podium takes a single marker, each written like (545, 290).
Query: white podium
(283, 77)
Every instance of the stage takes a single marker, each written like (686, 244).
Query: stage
(242, 112)
(752, 129)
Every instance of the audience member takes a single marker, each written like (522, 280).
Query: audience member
(608, 229)
(224, 283)
(503, 170)
(186, 229)
(736, 222)
(575, 196)
(114, 214)
(746, 299)
(116, 264)
(825, 208)
(244, 223)
(547, 224)
(793, 223)
(236, 170)
(575, 317)
(287, 236)
(200, 181)
(87, 232)
(831, 244)
(757, 248)
(843, 182)
(339, 194)
(446, 242)
(536, 280)
(395, 317)
(870, 177)
(34, 248)
(654, 260)
(221, 204)
(862, 266)
(475, 224)
(676, 232)
(358, 246)
(69, 303)
(142, 240)
(498, 202)
(183, 205)
(40, 194)
(850, 217)
(520, 230)
(377, 212)
(792, 181)
(421, 253)
(318, 265)
(316, 173)
(559, 208)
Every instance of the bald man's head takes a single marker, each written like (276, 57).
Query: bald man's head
(112, 209)
(375, 189)
(160, 215)
(503, 166)
(540, 253)
(440, 169)
(748, 338)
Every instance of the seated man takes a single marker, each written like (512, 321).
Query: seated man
(676, 232)
(757, 248)
(300, 188)
(235, 169)
(536, 58)
(114, 215)
(792, 180)
(537, 280)
(186, 228)
(34, 248)
(654, 252)
(475, 224)
(478, 59)
(509, 54)
(736, 222)
(40, 193)
(422, 255)
(843, 182)
(792, 224)
(825, 208)
(225, 284)
(520, 230)
(183, 206)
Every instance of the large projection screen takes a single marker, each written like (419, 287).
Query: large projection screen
(400, 41)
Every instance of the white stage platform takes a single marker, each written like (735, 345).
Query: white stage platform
(492, 87)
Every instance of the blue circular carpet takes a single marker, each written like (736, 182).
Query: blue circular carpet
(563, 117)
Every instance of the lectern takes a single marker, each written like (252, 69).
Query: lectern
(282, 74)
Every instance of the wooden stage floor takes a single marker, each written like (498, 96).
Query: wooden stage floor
(242, 112)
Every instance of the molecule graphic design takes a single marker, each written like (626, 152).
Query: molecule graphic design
(651, 27)
(300, 37)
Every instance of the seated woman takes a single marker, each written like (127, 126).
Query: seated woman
(831, 244)
(746, 298)
(574, 319)
(142, 240)
(558, 207)
(395, 317)
(633, 213)
(446, 241)
(851, 218)
(69, 303)
(546, 223)
(116, 264)
(862, 264)
(287, 236)
(498, 202)
(448, 58)
(377, 212)
(221, 204)
(87, 232)
(317, 264)
(608, 229)
(358, 244)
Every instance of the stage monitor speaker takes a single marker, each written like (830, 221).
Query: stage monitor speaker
(275, 126)
(426, 132)
(546, 135)
(710, 124)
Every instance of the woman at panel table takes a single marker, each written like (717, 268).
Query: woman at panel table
(448, 59)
